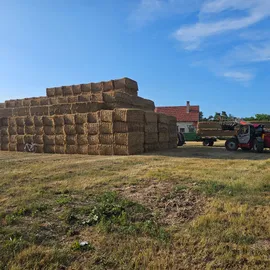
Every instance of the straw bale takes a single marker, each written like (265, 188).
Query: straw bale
(151, 147)
(83, 149)
(20, 147)
(59, 120)
(26, 102)
(80, 119)
(2, 105)
(4, 146)
(38, 122)
(39, 110)
(40, 148)
(59, 130)
(6, 112)
(143, 103)
(20, 130)
(150, 117)
(49, 139)
(172, 120)
(163, 118)
(93, 149)
(72, 99)
(128, 150)
(50, 92)
(131, 139)
(53, 101)
(18, 103)
(122, 127)
(29, 120)
(30, 130)
(93, 139)
(92, 117)
(163, 136)
(105, 128)
(172, 145)
(10, 103)
(106, 116)
(151, 128)
(12, 130)
(69, 119)
(13, 139)
(131, 92)
(60, 109)
(58, 91)
(98, 97)
(97, 87)
(4, 131)
(60, 149)
(81, 129)
(60, 140)
(39, 130)
(38, 139)
(108, 85)
(84, 98)
(86, 88)
(20, 139)
(71, 139)
(44, 101)
(12, 147)
(106, 149)
(12, 121)
(29, 139)
(117, 97)
(70, 129)
(67, 91)
(5, 139)
(151, 138)
(76, 89)
(82, 139)
(4, 121)
(62, 100)
(71, 149)
(35, 102)
(48, 121)
(163, 127)
(129, 115)
(163, 145)
(21, 111)
(50, 149)
(125, 83)
(86, 107)
(106, 138)
(49, 130)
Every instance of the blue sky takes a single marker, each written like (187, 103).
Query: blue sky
(215, 53)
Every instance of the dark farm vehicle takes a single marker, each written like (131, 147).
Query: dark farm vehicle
(249, 136)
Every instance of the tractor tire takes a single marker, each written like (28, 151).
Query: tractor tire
(231, 144)
(211, 143)
(258, 146)
(208, 143)
(245, 149)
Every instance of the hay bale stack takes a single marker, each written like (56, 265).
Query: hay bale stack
(151, 132)
(163, 131)
(4, 136)
(48, 134)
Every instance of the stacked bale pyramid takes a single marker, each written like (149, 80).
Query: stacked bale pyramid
(106, 118)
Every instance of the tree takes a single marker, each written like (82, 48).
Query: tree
(258, 117)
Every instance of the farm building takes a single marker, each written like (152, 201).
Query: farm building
(187, 116)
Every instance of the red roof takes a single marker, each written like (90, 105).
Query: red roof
(180, 112)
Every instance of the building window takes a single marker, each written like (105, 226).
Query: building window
(191, 128)
(182, 130)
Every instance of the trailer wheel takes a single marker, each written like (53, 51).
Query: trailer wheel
(231, 144)
(258, 146)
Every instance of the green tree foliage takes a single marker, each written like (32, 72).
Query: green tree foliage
(258, 117)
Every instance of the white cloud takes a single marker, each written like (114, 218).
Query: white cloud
(239, 76)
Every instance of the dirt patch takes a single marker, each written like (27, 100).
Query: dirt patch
(172, 205)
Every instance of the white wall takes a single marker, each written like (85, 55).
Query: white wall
(184, 125)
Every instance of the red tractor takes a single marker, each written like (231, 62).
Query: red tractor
(249, 136)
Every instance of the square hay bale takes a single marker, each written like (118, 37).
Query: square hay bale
(12, 147)
(106, 128)
(29, 120)
(50, 92)
(70, 130)
(49, 130)
(82, 139)
(150, 117)
(76, 89)
(40, 148)
(81, 129)
(151, 128)
(128, 150)
(22, 111)
(59, 120)
(12, 130)
(20, 139)
(151, 138)
(13, 139)
(71, 149)
(172, 120)
(20, 147)
(98, 97)
(59, 130)
(20, 121)
(131, 139)
(26, 102)
(151, 147)
(106, 116)
(93, 128)
(48, 121)
(11, 122)
(4, 121)
(71, 139)
(62, 100)
(83, 149)
(30, 130)
(49, 139)
(58, 91)
(125, 83)
(39, 131)
(2, 105)
(29, 139)
(10, 103)
(4, 146)
(93, 149)
(129, 115)
(35, 102)
(92, 117)
(163, 127)
(5, 139)
(39, 110)
(53, 101)
(18, 103)
(60, 149)
(117, 97)
(60, 140)
(163, 137)
(50, 149)
(38, 122)
(60, 109)
(38, 139)
(93, 139)
(69, 119)
(108, 85)
(122, 127)
(44, 101)
(86, 107)
(163, 118)
(6, 112)
(73, 99)
(106, 138)
(144, 104)
(172, 145)
(163, 145)
(20, 130)
(97, 87)
(67, 90)
(86, 88)
(84, 98)
(81, 118)
(106, 149)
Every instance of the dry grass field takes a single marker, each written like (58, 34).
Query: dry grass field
(193, 207)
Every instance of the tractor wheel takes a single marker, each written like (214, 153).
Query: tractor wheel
(245, 149)
(231, 144)
(206, 143)
(211, 143)
(258, 146)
